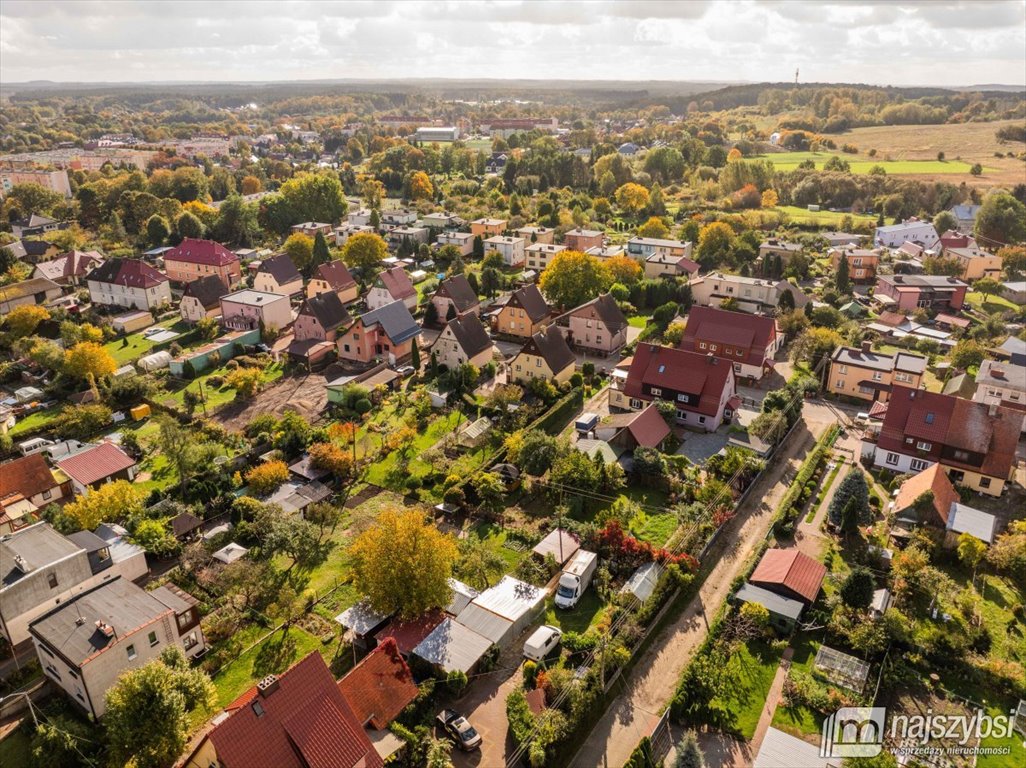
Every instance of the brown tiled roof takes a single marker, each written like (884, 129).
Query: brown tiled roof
(71, 264)
(328, 309)
(397, 283)
(471, 335)
(676, 370)
(795, 571)
(131, 273)
(380, 686)
(336, 274)
(603, 309)
(457, 288)
(551, 345)
(208, 290)
(281, 268)
(95, 464)
(305, 723)
(934, 479)
(751, 333)
(194, 251)
(529, 299)
(407, 635)
(28, 476)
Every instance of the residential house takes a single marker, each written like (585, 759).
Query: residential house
(31, 479)
(781, 248)
(753, 294)
(187, 617)
(597, 327)
(669, 265)
(666, 251)
(546, 355)
(582, 239)
(392, 284)
(334, 277)
(377, 690)
(911, 292)
(32, 251)
(388, 332)
(1001, 383)
(462, 241)
(836, 239)
(965, 215)
(524, 314)
(463, 340)
(278, 275)
(400, 217)
(955, 239)
(193, 258)
(248, 309)
(346, 231)
(975, 263)
(1014, 291)
(535, 235)
(455, 298)
(53, 180)
(128, 283)
(311, 228)
(90, 640)
(360, 217)
(298, 719)
(702, 387)
(442, 220)
(634, 429)
(911, 230)
(540, 255)
(604, 252)
(867, 375)
(790, 573)
(748, 342)
(496, 163)
(862, 262)
(202, 298)
(1013, 350)
(486, 227)
(36, 225)
(69, 268)
(974, 442)
(35, 290)
(512, 249)
(317, 326)
(929, 498)
(98, 465)
(411, 237)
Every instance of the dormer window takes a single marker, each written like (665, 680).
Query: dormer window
(929, 418)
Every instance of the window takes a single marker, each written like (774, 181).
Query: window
(929, 418)
(984, 482)
(712, 347)
(130, 650)
(918, 465)
(189, 641)
(701, 345)
(909, 440)
(842, 369)
(701, 419)
(892, 459)
(877, 376)
(923, 445)
(839, 384)
(961, 455)
(682, 415)
(683, 398)
(635, 402)
(902, 377)
(152, 637)
(47, 494)
(656, 392)
(51, 579)
(739, 353)
(258, 709)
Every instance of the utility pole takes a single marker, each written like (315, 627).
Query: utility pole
(796, 75)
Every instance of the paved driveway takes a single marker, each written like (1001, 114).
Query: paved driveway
(699, 446)
(485, 706)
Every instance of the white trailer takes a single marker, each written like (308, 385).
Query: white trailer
(575, 578)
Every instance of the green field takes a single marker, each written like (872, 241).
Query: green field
(788, 161)
(130, 348)
(35, 420)
(821, 218)
(991, 304)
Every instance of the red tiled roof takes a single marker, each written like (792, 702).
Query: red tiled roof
(336, 274)
(95, 464)
(131, 273)
(305, 723)
(397, 283)
(791, 569)
(649, 428)
(70, 264)
(407, 635)
(380, 686)
(753, 334)
(28, 476)
(934, 479)
(195, 251)
(676, 370)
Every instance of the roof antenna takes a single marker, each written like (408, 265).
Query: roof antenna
(796, 75)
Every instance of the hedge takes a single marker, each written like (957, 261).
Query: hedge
(798, 494)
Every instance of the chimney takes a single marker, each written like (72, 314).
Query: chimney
(711, 358)
(268, 685)
(992, 410)
(867, 347)
(105, 629)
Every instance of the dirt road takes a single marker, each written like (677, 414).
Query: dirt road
(652, 683)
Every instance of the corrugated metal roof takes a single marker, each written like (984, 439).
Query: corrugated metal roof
(485, 623)
(512, 598)
(772, 602)
(452, 646)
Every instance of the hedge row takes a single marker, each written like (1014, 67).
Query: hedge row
(803, 487)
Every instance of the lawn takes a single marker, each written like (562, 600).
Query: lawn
(585, 614)
(788, 161)
(991, 304)
(800, 721)
(216, 397)
(495, 538)
(654, 528)
(437, 429)
(821, 218)
(638, 321)
(130, 348)
(35, 420)
(754, 667)
(15, 749)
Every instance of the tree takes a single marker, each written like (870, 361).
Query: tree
(786, 301)
(1009, 550)
(857, 590)
(264, 479)
(689, 754)
(815, 343)
(299, 248)
(251, 185)
(245, 382)
(81, 422)
(147, 716)
(632, 198)
(1013, 261)
(189, 225)
(1001, 220)
(655, 228)
(573, 278)
(967, 353)
(155, 537)
(945, 221)
(304, 197)
(364, 251)
(157, 230)
(420, 561)
(490, 491)
(415, 349)
(842, 281)
(971, 551)
(479, 563)
(61, 741)
(325, 516)
(421, 187)
(852, 487)
(332, 458)
(769, 199)
(321, 252)
(89, 361)
(110, 503)
(770, 427)
(715, 242)
(281, 533)
(624, 270)
(988, 286)
(174, 442)
(24, 319)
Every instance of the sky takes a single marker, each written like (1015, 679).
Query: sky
(886, 42)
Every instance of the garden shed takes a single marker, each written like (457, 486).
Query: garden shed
(497, 629)
(362, 621)
(562, 545)
(230, 553)
(515, 601)
(462, 595)
(784, 612)
(453, 647)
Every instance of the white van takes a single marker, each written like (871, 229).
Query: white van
(542, 641)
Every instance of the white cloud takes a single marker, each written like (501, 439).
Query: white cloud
(893, 42)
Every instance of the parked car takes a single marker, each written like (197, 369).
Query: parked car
(405, 370)
(542, 641)
(459, 729)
